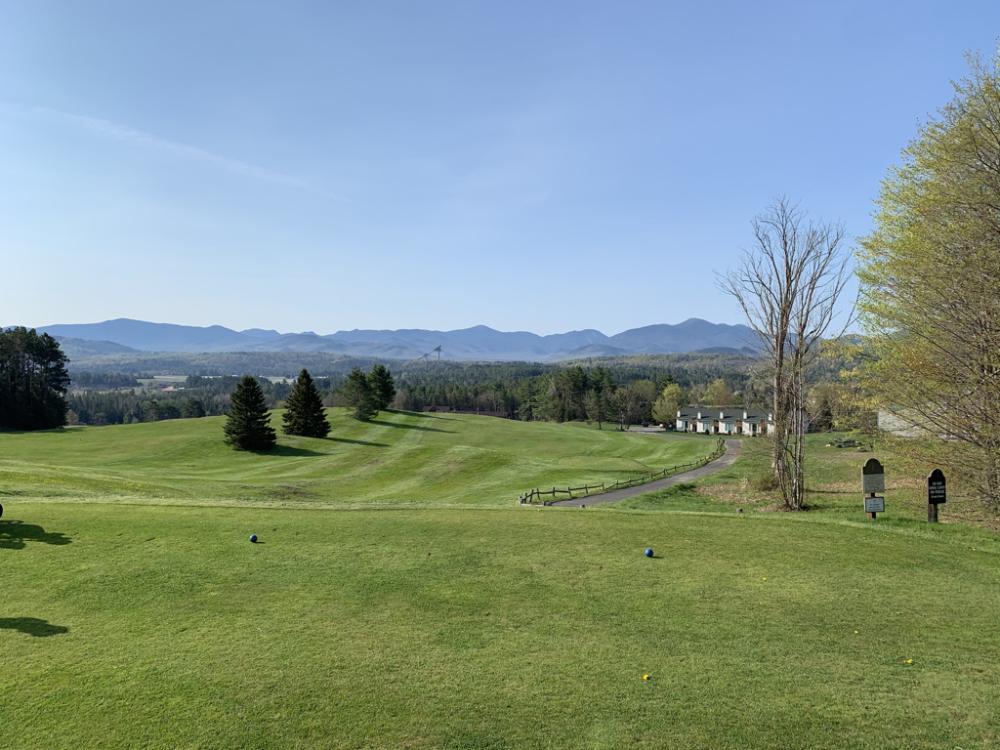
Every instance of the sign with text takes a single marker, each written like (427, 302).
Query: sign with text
(874, 505)
(873, 476)
(936, 493)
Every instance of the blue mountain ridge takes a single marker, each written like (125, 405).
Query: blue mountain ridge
(475, 343)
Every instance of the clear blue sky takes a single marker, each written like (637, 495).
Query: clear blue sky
(540, 166)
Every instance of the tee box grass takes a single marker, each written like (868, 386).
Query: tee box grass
(134, 612)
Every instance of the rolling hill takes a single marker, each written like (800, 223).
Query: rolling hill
(478, 343)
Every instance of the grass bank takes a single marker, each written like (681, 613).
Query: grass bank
(399, 458)
(522, 628)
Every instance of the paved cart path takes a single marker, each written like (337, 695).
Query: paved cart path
(726, 459)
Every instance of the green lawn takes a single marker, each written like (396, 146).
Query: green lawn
(135, 613)
(833, 484)
(156, 626)
(400, 458)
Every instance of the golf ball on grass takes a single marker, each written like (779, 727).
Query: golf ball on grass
(253, 538)
(648, 552)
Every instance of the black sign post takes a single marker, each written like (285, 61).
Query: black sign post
(873, 482)
(936, 494)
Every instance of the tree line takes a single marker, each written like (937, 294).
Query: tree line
(197, 396)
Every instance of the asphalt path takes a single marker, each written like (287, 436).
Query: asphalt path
(726, 459)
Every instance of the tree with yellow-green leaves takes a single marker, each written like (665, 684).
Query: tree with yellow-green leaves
(930, 274)
(718, 393)
(665, 407)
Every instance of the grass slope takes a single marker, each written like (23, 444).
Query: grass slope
(833, 487)
(158, 626)
(401, 457)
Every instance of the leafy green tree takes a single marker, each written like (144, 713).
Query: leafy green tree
(33, 380)
(382, 385)
(930, 275)
(304, 413)
(820, 406)
(357, 392)
(665, 407)
(248, 426)
(718, 394)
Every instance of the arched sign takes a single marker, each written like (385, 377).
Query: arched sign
(873, 476)
(936, 490)
(873, 482)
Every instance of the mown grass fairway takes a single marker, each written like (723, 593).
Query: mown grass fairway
(131, 618)
(448, 628)
(399, 458)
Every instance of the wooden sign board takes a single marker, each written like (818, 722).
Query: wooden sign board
(874, 505)
(936, 491)
(873, 476)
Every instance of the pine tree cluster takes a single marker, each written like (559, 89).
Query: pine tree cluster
(370, 393)
(33, 380)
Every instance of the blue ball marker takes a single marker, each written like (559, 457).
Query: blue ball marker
(648, 552)
(253, 538)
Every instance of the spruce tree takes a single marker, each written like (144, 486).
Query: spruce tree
(248, 426)
(357, 391)
(383, 386)
(304, 414)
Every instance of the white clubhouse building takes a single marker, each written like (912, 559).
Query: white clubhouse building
(724, 420)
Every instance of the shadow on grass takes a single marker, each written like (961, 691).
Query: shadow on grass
(16, 535)
(287, 450)
(422, 414)
(399, 426)
(32, 626)
(349, 441)
(49, 431)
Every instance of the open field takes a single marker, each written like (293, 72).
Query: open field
(158, 624)
(399, 458)
(162, 626)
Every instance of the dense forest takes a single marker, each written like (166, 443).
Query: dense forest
(617, 390)
(36, 390)
(197, 396)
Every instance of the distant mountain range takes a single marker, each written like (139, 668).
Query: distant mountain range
(479, 343)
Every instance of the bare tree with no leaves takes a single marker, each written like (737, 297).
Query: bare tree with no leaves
(788, 286)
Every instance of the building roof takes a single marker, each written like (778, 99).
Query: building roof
(728, 412)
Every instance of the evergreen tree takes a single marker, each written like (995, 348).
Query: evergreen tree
(248, 426)
(383, 386)
(193, 408)
(33, 380)
(357, 391)
(304, 414)
(598, 406)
